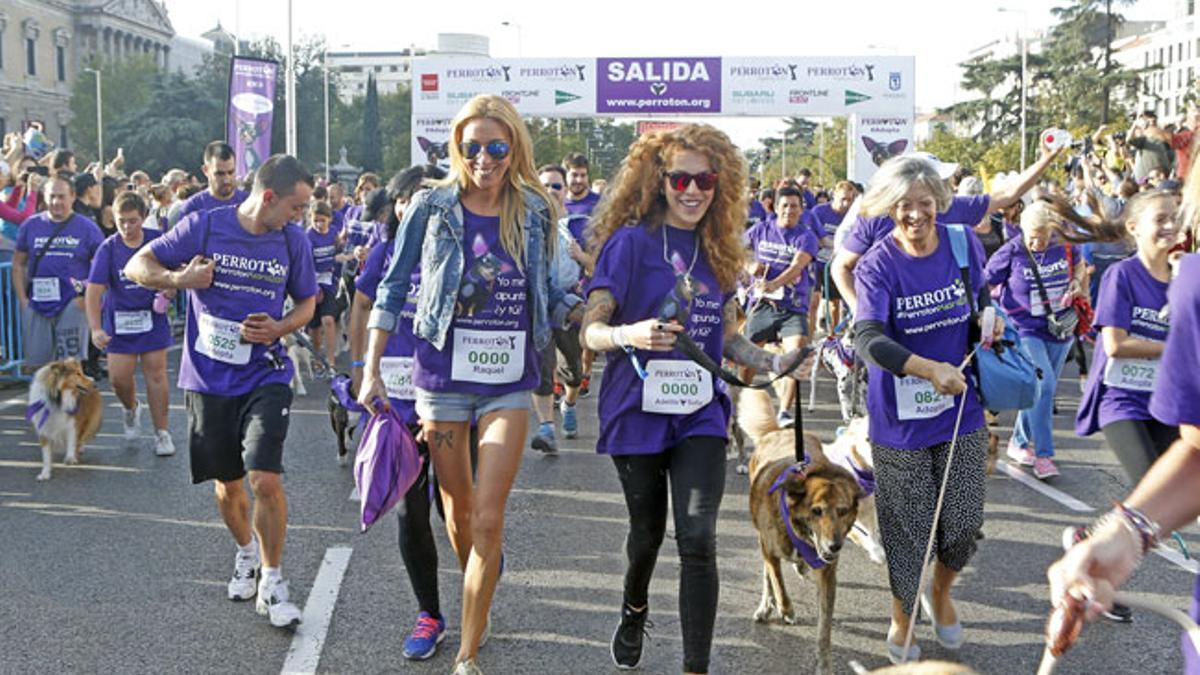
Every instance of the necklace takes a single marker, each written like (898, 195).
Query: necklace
(687, 276)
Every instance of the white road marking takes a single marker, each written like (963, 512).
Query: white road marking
(305, 652)
(1038, 486)
(1177, 557)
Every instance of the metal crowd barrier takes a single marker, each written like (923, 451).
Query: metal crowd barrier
(11, 353)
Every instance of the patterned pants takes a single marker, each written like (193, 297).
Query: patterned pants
(905, 499)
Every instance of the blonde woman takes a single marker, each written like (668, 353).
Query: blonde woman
(479, 240)
(670, 247)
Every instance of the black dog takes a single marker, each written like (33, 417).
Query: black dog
(341, 403)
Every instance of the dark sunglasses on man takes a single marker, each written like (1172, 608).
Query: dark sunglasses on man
(553, 186)
(497, 150)
(679, 180)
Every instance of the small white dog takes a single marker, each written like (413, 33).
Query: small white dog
(852, 451)
(65, 411)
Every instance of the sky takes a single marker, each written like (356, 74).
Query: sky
(940, 33)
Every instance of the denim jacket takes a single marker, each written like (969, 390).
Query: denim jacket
(432, 234)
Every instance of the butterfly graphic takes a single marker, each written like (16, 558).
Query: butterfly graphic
(479, 283)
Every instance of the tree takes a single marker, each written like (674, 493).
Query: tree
(818, 146)
(127, 86)
(371, 142)
(172, 128)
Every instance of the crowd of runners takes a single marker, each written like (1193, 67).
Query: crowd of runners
(475, 299)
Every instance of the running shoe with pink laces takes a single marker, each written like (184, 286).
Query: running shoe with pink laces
(1043, 468)
(425, 638)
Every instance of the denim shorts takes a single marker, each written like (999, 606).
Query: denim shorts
(450, 406)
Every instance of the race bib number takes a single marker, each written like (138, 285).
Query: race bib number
(325, 278)
(46, 289)
(916, 399)
(675, 387)
(1132, 374)
(132, 323)
(1038, 308)
(488, 356)
(220, 340)
(397, 372)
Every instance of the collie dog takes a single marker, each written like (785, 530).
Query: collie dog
(65, 410)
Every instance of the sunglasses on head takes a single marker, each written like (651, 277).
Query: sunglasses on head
(497, 150)
(553, 186)
(679, 180)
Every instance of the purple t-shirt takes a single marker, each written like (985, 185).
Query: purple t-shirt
(127, 313)
(923, 306)
(1010, 271)
(358, 232)
(962, 211)
(205, 201)
(324, 248)
(758, 212)
(632, 267)
(253, 274)
(1011, 230)
(583, 207)
(397, 362)
(1130, 298)
(824, 222)
(489, 347)
(63, 270)
(774, 247)
(578, 226)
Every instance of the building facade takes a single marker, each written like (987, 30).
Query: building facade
(44, 45)
(391, 70)
(1167, 60)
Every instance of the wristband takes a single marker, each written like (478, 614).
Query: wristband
(357, 364)
(618, 337)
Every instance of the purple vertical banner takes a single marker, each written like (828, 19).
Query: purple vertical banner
(658, 85)
(251, 111)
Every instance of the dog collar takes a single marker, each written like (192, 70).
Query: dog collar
(39, 410)
(865, 477)
(802, 547)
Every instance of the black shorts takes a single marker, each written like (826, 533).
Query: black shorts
(834, 294)
(328, 306)
(229, 435)
(769, 323)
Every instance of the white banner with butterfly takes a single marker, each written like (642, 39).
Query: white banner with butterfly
(874, 139)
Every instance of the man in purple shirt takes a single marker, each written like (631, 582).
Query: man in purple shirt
(238, 264)
(580, 198)
(870, 228)
(50, 268)
(219, 166)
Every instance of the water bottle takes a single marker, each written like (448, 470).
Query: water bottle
(161, 302)
(1055, 138)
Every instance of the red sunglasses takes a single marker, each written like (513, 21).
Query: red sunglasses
(679, 180)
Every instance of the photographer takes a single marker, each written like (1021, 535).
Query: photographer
(1151, 145)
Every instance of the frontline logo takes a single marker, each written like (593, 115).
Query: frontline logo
(853, 97)
(429, 82)
(514, 96)
(802, 96)
(576, 72)
(777, 71)
(563, 97)
(851, 72)
(486, 74)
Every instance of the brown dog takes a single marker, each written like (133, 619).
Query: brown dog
(801, 515)
(65, 410)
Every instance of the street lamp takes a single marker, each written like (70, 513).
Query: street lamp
(99, 116)
(325, 63)
(290, 87)
(1024, 69)
(514, 24)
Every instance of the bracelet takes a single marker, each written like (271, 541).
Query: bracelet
(618, 337)
(1116, 519)
(1149, 531)
(357, 364)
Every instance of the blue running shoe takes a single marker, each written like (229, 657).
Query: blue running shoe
(570, 423)
(543, 440)
(426, 636)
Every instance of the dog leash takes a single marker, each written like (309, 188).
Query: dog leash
(937, 514)
(1063, 627)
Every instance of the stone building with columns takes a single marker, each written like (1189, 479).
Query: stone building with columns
(45, 43)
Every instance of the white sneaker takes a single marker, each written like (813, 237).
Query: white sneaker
(163, 445)
(244, 583)
(468, 667)
(133, 422)
(273, 603)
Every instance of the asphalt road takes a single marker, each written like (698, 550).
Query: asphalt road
(119, 565)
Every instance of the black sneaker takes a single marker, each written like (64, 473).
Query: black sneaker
(1119, 614)
(627, 639)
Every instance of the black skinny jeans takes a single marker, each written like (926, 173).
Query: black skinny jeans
(1138, 444)
(417, 546)
(696, 469)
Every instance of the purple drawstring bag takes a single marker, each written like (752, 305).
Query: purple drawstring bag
(386, 466)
